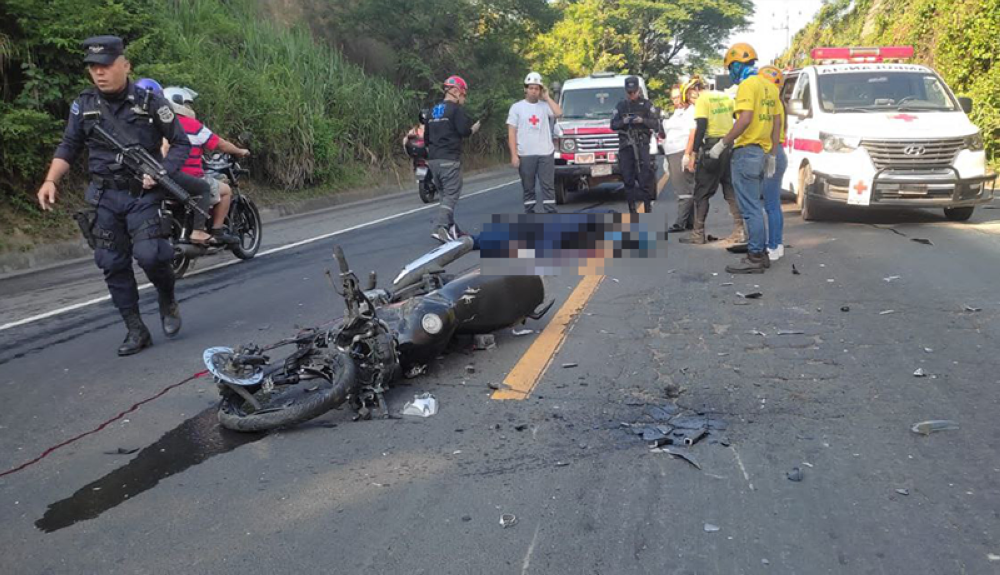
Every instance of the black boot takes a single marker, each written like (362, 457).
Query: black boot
(138, 337)
(648, 206)
(631, 207)
(170, 313)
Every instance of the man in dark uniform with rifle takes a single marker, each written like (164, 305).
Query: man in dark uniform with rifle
(122, 127)
(635, 119)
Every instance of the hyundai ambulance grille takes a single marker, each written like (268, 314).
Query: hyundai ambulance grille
(596, 142)
(913, 154)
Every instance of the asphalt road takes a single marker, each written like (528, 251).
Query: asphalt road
(426, 495)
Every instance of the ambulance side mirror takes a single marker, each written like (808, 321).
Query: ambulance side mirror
(966, 104)
(797, 108)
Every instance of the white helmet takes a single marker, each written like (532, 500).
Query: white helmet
(179, 98)
(533, 78)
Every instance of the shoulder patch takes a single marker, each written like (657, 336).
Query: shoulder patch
(75, 109)
(166, 114)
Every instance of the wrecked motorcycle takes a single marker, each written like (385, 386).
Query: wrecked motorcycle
(383, 334)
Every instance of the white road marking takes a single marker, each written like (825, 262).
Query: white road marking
(234, 261)
(531, 549)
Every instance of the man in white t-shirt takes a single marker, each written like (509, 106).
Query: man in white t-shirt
(530, 125)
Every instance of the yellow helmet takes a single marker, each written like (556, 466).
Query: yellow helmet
(740, 52)
(772, 74)
(692, 83)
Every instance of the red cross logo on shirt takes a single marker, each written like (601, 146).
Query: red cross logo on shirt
(861, 188)
(533, 120)
(904, 117)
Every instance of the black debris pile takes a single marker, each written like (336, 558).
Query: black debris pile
(677, 429)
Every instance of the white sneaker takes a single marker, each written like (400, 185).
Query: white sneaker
(776, 254)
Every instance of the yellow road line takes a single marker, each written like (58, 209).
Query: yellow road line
(532, 365)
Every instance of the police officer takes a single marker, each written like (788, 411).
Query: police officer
(127, 222)
(635, 118)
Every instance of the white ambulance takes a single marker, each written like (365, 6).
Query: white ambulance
(866, 132)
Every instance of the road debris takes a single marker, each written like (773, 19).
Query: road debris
(568, 365)
(929, 349)
(423, 405)
(903, 491)
(484, 341)
(991, 556)
(922, 241)
(415, 371)
(919, 372)
(758, 332)
(890, 279)
(507, 520)
(807, 464)
(795, 475)
(790, 332)
(709, 528)
(845, 308)
(751, 295)
(723, 284)
(929, 427)
(466, 518)
(497, 386)
(520, 332)
(887, 311)
(562, 463)
(795, 271)
(470, 368)
(969, 308)
(121, 451)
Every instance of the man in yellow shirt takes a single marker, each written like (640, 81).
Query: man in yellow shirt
(754, 138)
(713, 116)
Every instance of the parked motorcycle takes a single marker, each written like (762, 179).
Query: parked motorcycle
(416, 149)
(243, 220)
(384, 334)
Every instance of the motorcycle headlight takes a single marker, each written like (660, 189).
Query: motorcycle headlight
(432, 323)
(568, 145)
(974, 142)
(839, 144)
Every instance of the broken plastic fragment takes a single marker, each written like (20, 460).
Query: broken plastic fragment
(903, 491)
(507, 520)
(795, 271)
(919, 372)
(484, 341)
(922, 241)
(683, 454)
(423, 405)
(709, 528)
(790, 332)
(928, 427)
(890, 278)
(886, 311)
(751, 295)
(845, 308)
(972, 309)
(520, 332)
(415, 371)
(570, 364)
(795, 475)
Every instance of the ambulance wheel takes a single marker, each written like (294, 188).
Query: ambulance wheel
(560, 192)
(959, 214)
(807, 206)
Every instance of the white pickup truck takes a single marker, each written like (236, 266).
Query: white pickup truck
(865, 132)
(586, 147)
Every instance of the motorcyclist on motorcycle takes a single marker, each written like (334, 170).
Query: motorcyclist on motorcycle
(202, 138)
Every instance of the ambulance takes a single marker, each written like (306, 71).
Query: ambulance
(866, 128)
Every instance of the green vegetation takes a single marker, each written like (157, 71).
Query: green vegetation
(958, 38)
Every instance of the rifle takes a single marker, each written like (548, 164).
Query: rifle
(141, 163)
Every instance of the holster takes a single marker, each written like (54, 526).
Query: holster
(87, 219)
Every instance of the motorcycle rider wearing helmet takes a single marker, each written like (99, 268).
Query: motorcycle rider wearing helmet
(446, 127)
(638, 116)
(530, 126)
(124, 222)
(201, 138)
(754, 138)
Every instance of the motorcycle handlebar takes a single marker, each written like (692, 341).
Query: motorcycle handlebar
(338, 254)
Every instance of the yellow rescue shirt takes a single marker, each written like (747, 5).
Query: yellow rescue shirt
(717, 108)
(760, 97)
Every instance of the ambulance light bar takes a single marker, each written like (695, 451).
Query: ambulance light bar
(865, 55)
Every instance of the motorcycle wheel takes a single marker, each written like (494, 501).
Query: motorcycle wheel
(290, 404)
(181, 262)
(427, 192)
(245, 224)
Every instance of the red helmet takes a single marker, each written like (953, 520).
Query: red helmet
(456, 82)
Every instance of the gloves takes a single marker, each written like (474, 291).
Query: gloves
(685, 160)
(770, 165)
(717, 150)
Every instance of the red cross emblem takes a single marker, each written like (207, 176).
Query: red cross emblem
(904, 117)
(861, 188)
(533, 120)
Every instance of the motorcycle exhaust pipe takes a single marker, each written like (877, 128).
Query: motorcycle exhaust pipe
(190, 250)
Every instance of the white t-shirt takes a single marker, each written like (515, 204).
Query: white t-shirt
(677, 129)
(534, 124)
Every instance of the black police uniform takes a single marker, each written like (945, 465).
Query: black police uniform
(638, 179)
(127, 221)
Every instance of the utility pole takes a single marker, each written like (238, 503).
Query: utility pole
(786, 27)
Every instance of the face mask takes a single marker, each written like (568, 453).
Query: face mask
(739, 71)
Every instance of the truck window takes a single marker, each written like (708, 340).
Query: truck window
(787, 88)
(872, 91)
(591, 103)
(802, 91)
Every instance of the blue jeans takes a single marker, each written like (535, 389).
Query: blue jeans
(747, 167)
(772, 202)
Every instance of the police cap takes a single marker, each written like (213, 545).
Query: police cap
(103, 50)
(632, 84)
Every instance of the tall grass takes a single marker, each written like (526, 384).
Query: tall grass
(312, 117)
